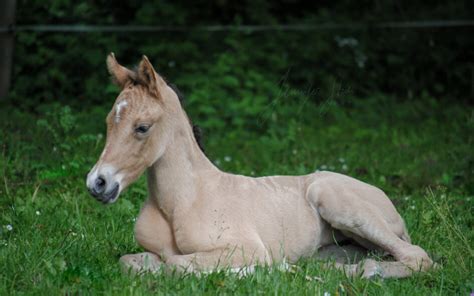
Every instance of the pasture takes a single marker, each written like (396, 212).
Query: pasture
(56, 239)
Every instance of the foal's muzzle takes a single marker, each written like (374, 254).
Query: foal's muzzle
(102, 184)
(100, 192)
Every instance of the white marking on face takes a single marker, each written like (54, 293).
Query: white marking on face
(91, 177)
(118, 109)
(119, 177)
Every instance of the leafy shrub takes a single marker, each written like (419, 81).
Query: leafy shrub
(69, 68)
(61, 140)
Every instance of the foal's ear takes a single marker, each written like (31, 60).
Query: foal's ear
(120, 75)
(148, 77)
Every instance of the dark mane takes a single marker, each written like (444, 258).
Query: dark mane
(196, 129)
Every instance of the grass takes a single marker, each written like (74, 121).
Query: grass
(55, 239)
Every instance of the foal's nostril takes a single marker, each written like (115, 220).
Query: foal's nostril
(100, 184)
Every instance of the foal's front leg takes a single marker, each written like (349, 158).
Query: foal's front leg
(152, 232)
(216, 259)
(350, 259)
(140, 263)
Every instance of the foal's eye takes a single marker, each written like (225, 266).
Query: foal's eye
(142, 129)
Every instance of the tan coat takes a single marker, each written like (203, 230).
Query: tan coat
(199, 218)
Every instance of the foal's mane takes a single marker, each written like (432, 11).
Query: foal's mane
(197, 131)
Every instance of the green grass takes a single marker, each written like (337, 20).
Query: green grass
(62, 241)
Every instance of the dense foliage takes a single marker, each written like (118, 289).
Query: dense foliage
(404, 62)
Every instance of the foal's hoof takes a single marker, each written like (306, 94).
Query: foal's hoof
(417, 259)
(140, 263)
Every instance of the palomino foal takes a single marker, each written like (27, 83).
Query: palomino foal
(198, 218)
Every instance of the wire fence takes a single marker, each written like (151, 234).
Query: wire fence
(240, 28)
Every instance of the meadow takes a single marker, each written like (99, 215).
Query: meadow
(56, 239)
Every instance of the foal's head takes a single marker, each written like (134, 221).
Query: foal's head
(139, 128)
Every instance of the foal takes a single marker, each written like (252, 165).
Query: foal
(198, 218)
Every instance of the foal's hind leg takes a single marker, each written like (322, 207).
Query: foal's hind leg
(345, 211)
(344, 254)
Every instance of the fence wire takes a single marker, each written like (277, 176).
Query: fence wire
(241, 28)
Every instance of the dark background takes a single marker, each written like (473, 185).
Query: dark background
(362, 57)
(258, 77)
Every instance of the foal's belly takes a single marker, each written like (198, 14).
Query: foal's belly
(270, 213)
(300, 234)
(288, 226)
(294, 233)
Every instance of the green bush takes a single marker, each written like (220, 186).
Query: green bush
(69, 68)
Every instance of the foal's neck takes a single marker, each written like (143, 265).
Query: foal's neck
(173, 180)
